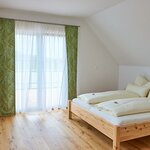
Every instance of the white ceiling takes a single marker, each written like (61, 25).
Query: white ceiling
(76, 8)
(124, 29)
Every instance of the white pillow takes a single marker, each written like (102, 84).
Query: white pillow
(148, 95)
(140, 81)
(140, 90)
(147, 85)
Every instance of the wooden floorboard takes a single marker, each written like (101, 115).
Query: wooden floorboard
(53, 131)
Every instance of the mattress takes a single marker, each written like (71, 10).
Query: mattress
(122, 120)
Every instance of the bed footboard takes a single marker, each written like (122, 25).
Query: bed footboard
(116, 133)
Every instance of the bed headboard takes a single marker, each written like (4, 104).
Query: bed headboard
(127, 74)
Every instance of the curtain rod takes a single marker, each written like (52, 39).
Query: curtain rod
(45, 22)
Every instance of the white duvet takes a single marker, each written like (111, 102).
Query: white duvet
(94, 98)
(123, 107)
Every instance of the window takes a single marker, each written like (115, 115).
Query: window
(41, 67)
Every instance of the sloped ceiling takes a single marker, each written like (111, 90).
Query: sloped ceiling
(75, 8)
(125, 31)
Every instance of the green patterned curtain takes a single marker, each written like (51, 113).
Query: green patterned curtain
(7, 67)
(72, 46)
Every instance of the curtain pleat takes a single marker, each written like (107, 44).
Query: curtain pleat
(7, 67)
(72, 46)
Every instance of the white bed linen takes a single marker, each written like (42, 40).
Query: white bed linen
(129, 106)
(122, 120)
(94, 98)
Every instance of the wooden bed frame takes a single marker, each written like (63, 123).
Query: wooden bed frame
(116, 133)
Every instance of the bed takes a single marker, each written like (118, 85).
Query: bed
(119, 129)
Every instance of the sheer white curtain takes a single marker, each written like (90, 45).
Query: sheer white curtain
(41, 67)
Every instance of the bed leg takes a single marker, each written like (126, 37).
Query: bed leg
(69, 110)
(116, 139)
(116, 145)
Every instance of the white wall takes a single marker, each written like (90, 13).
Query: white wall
(125, 31)
(127, 74)
(97, 70)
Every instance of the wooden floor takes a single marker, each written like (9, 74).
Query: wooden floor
(53, 131)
